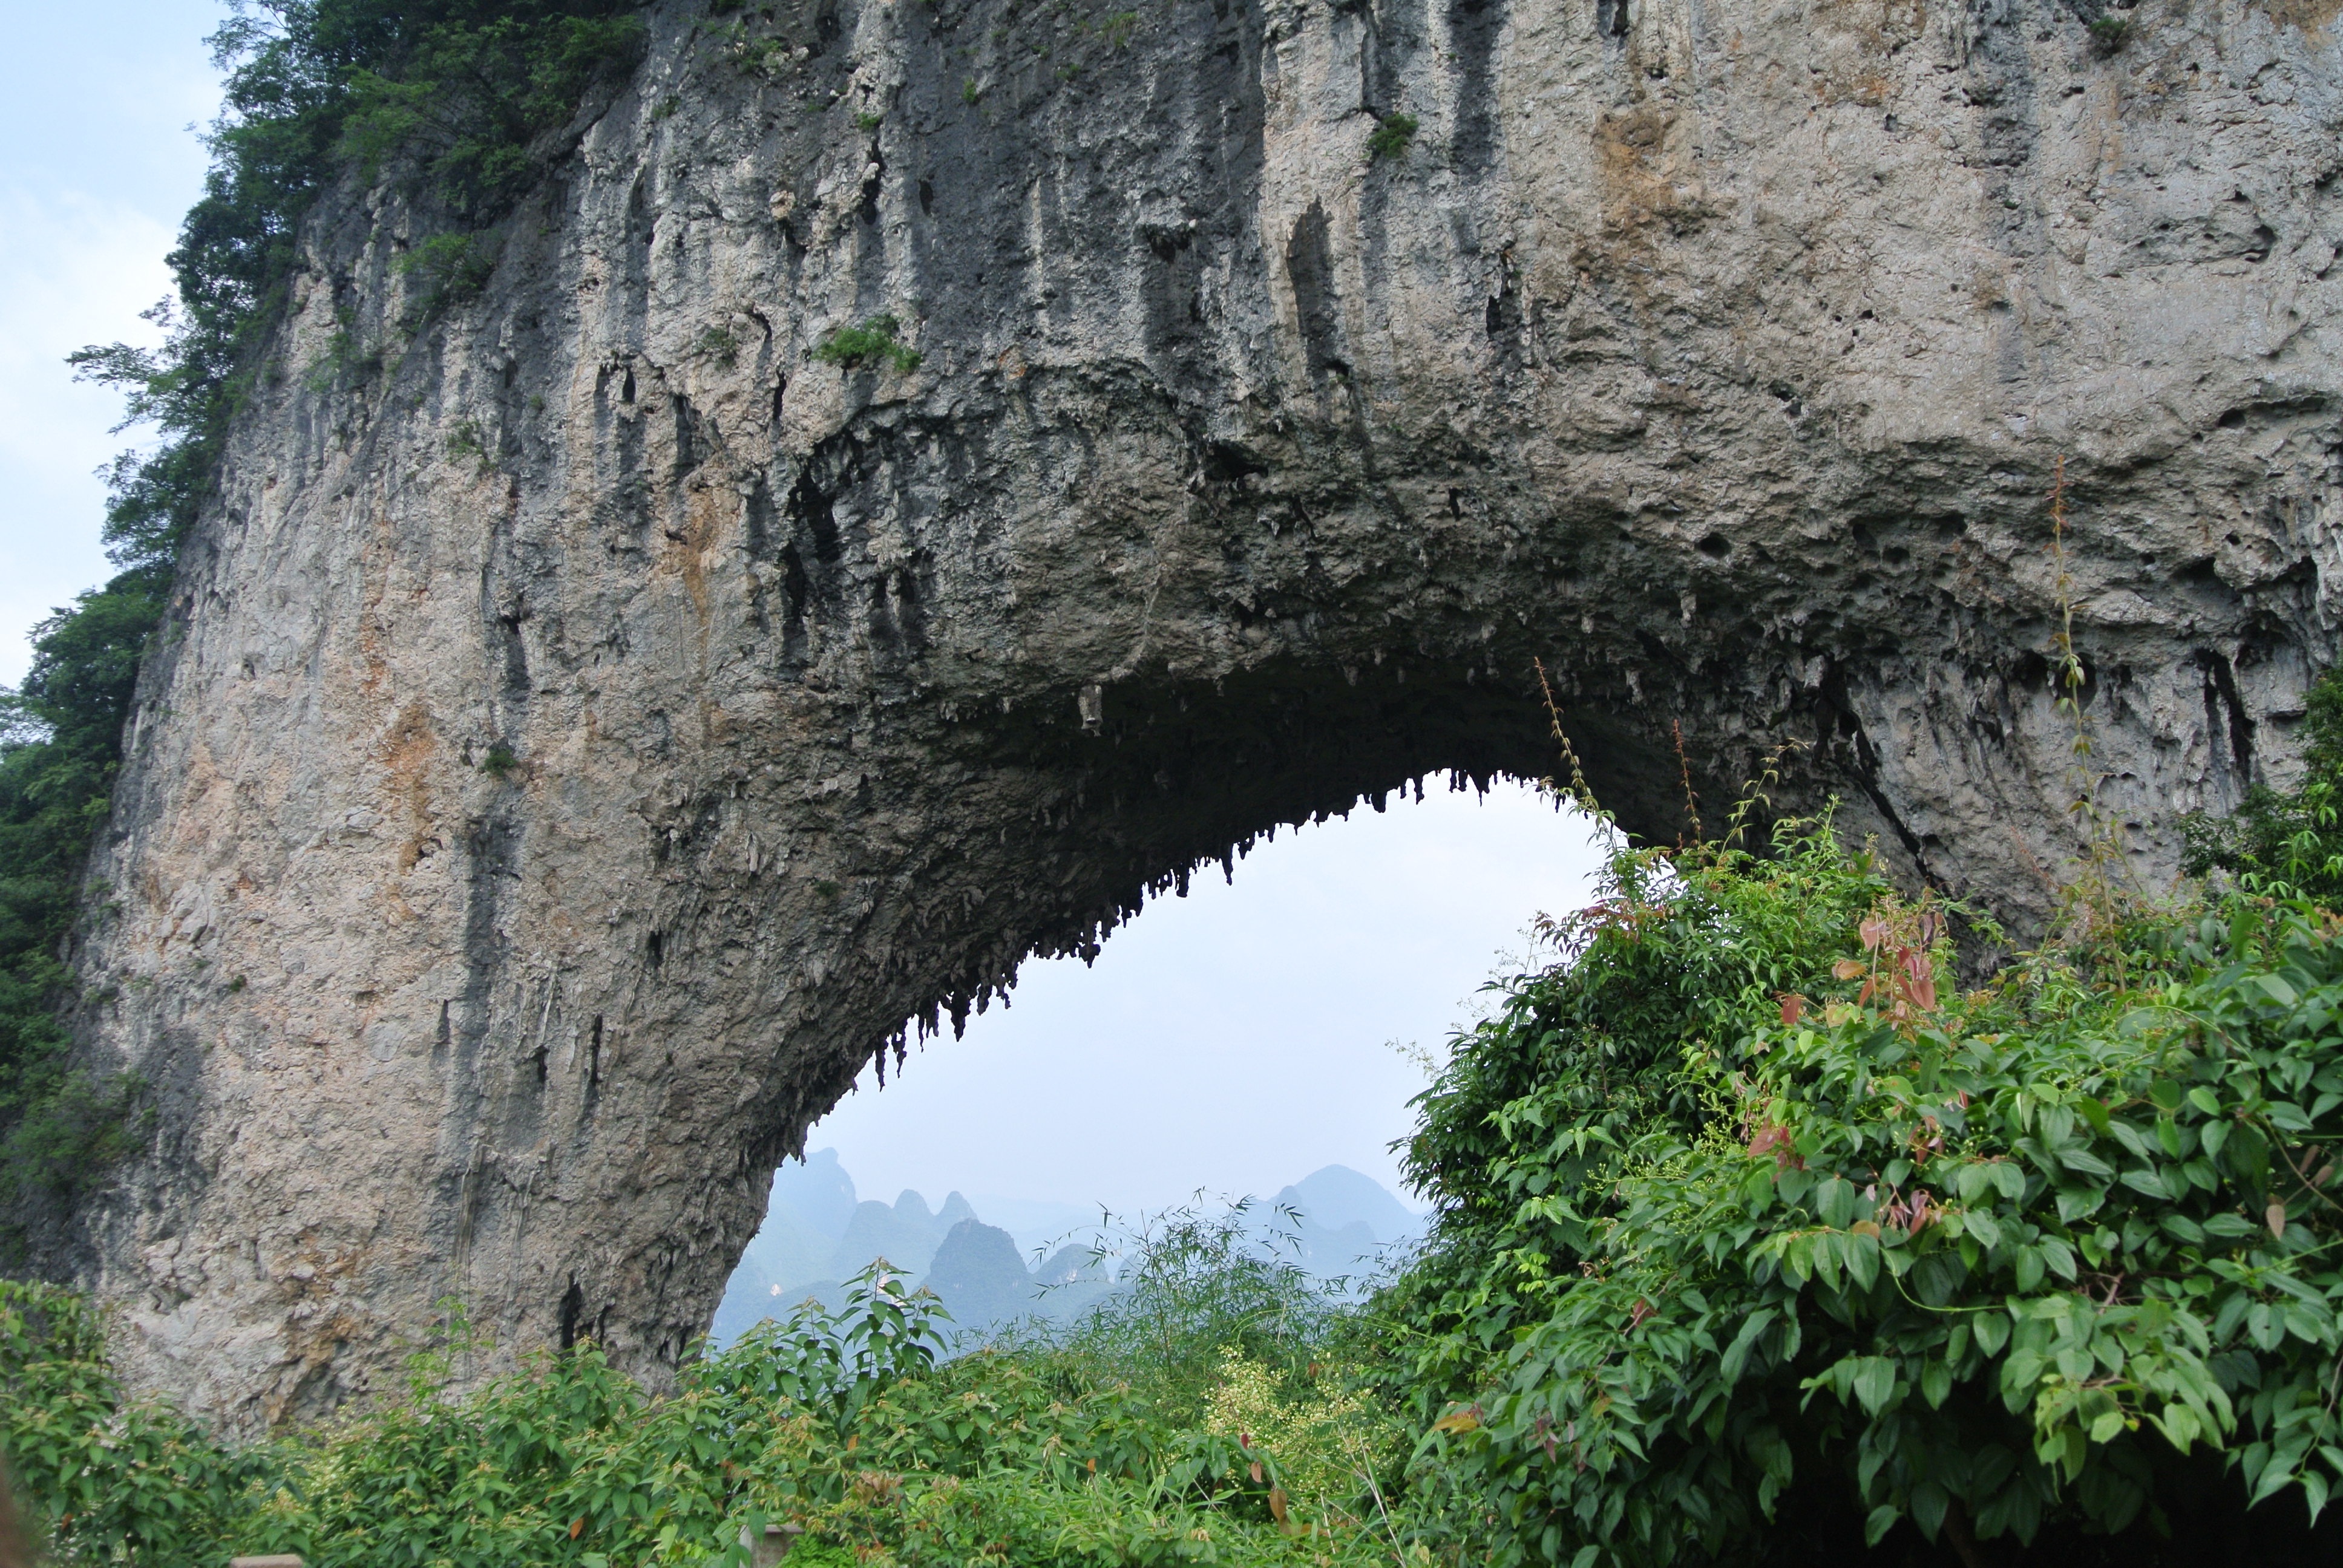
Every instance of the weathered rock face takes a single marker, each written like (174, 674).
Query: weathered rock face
(584, 739)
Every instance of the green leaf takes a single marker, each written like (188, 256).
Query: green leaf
(1972, 1182)
(2026, 1267)
(1882, 1520)
(1736, 1359)
(2087, 1163)
(1875, 1383)
(2182, 1228)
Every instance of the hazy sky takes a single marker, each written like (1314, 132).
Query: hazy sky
(1234, 1040)
(96, 103)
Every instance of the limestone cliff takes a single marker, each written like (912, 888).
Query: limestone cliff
(583, 740)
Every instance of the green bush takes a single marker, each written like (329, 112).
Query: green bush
(1754, 1234)
(60, 744)
(1390, 137)
(447, 269)
(851, 347)
(105, 1477)
(843, 1422)
(2286, 845)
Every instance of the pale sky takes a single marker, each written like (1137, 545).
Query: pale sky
(1233, 1040)
(96, 103)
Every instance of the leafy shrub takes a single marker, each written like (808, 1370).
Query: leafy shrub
(60, 744)
(461, 91)
(1798, 1249)
(1194, 1283)
(844, 1422)
(104, 1474)
(2286, 845)
(447, 269)
(851, 347)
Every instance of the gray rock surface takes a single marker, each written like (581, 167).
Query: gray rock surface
(586, 737)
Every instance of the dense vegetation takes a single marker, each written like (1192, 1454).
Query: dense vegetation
(1756, 1244)
(451, 100)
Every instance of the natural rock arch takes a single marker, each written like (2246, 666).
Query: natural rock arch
(577, 748)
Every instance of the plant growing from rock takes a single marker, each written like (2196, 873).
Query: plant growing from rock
(1390, 137)
(872, 342)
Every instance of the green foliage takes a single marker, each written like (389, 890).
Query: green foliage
(721, 344)
(103, 1475)
(2290, 845)
(458, 98)
(447, 269)
(1390, 137)
(874, 342)
(1797, 1245)
(843, 1422)
(1673, 961)
(459, 90)
(1195, 1287)
(60, 744)
(756, 53)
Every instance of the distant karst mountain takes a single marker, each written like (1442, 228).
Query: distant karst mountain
(818, 1234)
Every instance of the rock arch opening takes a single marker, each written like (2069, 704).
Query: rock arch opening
(1269, 1027)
